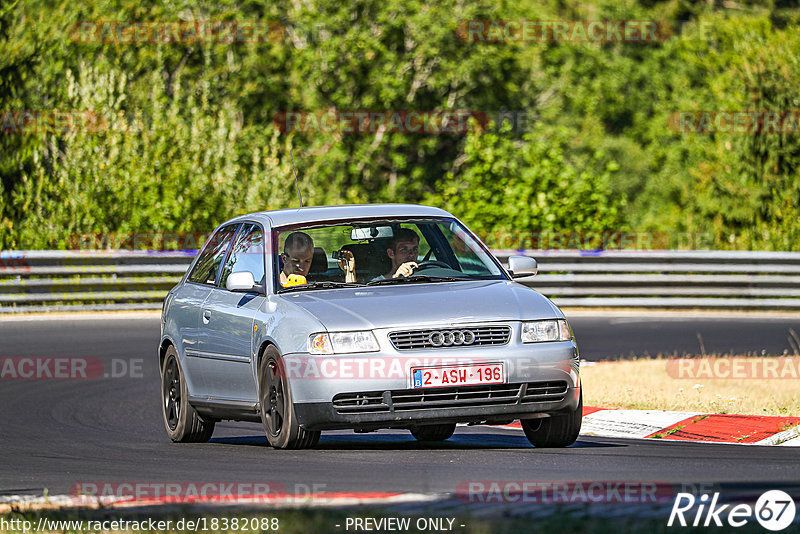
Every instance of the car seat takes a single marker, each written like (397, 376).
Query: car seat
(381, 261)
(367, 267)
(319, 266)
(319, 263)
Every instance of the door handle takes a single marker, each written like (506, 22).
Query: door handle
(206, 316)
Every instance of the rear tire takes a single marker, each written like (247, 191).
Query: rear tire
(438, 432)
(277, 409)
(182, 422)
(555, 431)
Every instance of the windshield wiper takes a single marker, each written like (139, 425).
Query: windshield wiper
(415, 278)
(320, 285)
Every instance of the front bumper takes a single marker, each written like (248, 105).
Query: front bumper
(375, 390)
(332, 416)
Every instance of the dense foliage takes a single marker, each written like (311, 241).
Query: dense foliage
(188, 135)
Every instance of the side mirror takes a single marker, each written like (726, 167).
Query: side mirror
(241, 281)
(521, 266)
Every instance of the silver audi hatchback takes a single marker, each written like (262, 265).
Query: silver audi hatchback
(363, 317)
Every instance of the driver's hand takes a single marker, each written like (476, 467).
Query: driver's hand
(348, 265)
(407, 269)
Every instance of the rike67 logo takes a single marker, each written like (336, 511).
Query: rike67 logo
(774, 510)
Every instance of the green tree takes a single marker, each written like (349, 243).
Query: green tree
(507, 190)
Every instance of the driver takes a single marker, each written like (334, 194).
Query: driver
(403, 251)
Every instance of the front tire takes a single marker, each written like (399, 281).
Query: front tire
(555, 431)
(183, 423)
(438, 432)
(277, 409)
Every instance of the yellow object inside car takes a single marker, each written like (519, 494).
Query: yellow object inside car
(295, 280)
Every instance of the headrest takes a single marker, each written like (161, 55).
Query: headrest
(382, 262)
(362, 252)
(319, 263)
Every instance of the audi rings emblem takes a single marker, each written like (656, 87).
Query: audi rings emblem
(450, 338)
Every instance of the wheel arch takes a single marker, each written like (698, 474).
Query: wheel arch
(166, 343)
(266, 343)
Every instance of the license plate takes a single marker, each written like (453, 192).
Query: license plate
(458, 375)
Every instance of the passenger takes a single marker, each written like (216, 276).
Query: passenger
(298, 252)
(347, 263)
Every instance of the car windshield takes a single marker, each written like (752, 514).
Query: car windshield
(398, 251)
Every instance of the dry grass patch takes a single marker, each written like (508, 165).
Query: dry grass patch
(719, 384)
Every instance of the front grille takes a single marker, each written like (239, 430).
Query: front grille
(456, 397)
(420, 339)
(453, 397)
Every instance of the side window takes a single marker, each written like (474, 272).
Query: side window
(207, 266)
(247, 254)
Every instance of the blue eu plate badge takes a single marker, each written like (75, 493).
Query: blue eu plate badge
(417, 378)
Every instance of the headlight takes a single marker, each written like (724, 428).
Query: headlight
(552, 330)
(342, 342)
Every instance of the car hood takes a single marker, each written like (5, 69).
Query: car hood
(413, 305)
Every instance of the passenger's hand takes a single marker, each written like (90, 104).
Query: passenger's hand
(407, 269)
(348, 265)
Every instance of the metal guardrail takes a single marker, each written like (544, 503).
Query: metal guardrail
(667, 279)
(43, 280)
(74, 280)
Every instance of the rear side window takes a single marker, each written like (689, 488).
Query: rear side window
(208, 263)
(247, 254)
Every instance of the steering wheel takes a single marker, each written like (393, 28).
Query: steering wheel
(432, 263)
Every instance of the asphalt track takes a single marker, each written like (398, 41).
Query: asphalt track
(57, 433)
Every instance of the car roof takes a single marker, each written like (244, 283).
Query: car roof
(313, 214)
